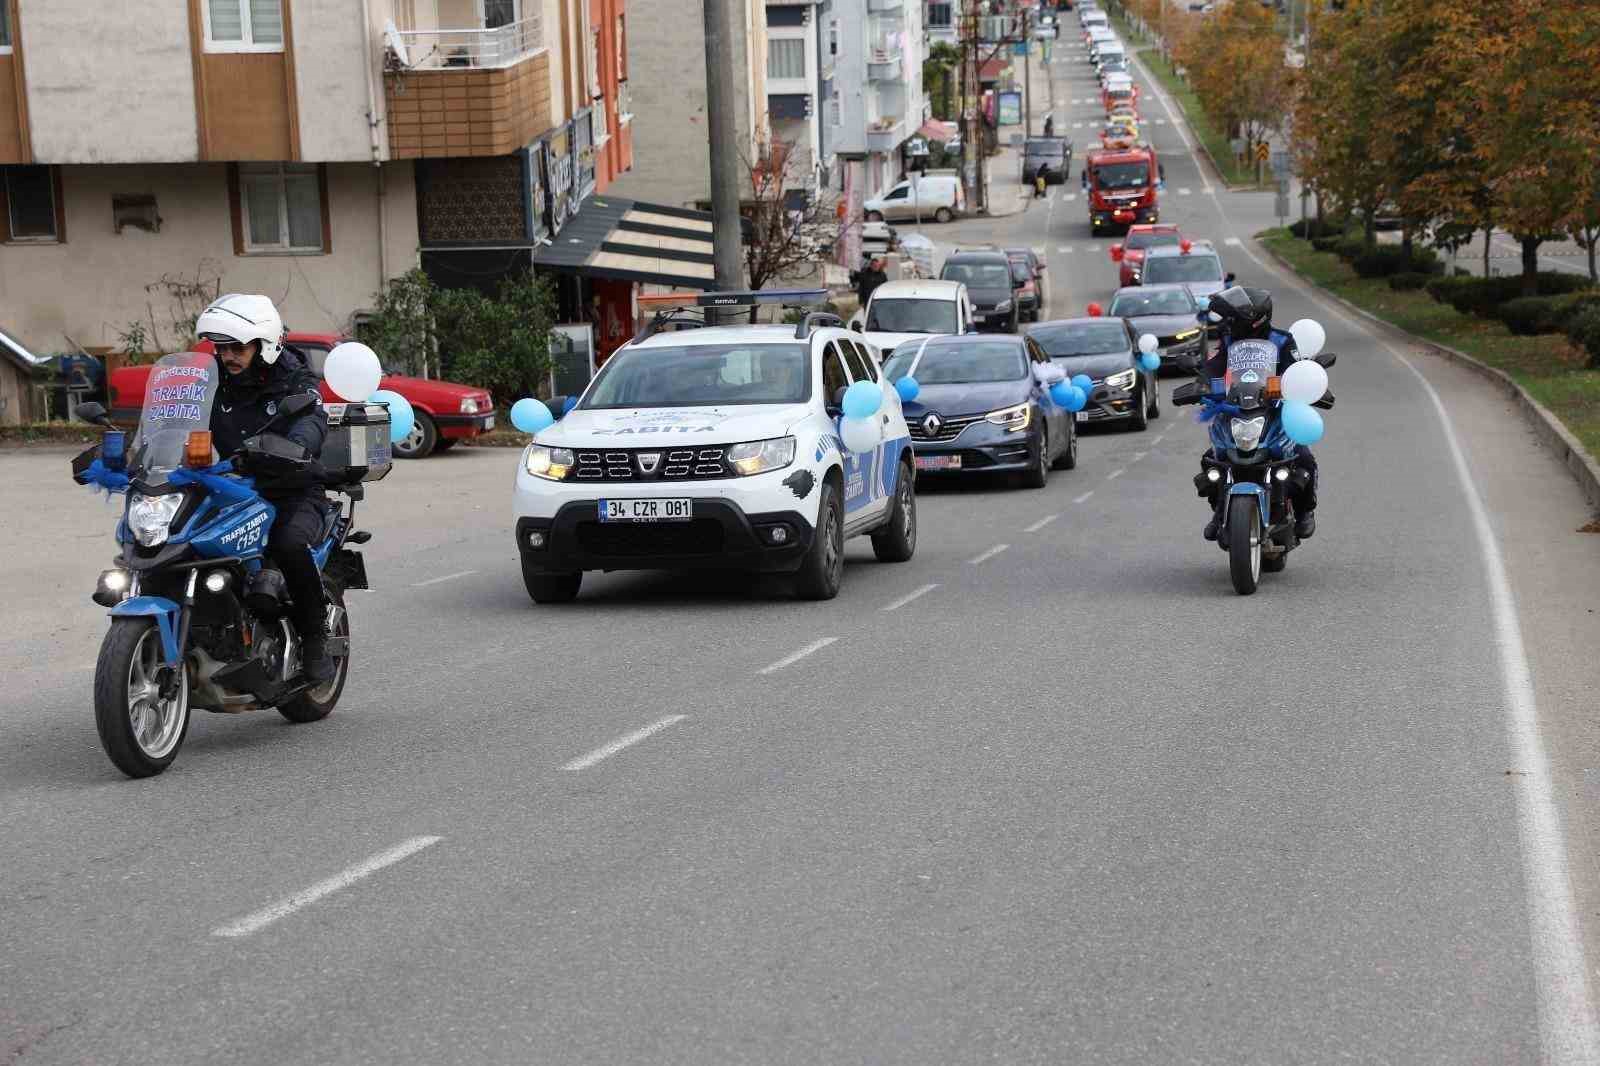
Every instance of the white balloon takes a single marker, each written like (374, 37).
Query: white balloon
(352, 370)
(1309, 337)
(1148, 343)
(1304, 382)
(860, 434)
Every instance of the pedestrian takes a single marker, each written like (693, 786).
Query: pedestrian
(868, 279)
(1040, 180)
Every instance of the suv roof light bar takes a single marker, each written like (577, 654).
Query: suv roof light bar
(682, 316)
(754, 297)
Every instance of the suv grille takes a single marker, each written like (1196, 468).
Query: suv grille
(671, 464)
(949, 429)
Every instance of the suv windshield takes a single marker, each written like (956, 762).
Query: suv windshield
(979, 275)
(1161, 302)
(952, 363)
(177, 402)
(702, 375)
(1080, 338)
(1122, 176)
(1182, 268)
(912, 316)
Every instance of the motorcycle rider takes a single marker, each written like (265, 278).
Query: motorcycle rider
(259, 373)
(1241, 314)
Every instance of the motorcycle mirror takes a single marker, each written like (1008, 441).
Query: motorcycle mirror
(92, 413)
(1325, 360)
(1228, 279)
(558, 406)
(836, 404)
(857, 326)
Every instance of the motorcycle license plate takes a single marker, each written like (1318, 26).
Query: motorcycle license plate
(662, 510)
(938, 462)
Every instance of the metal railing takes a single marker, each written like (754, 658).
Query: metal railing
(473, 48)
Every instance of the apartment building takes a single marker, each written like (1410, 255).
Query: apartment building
(306, 149)
(799, 84)
(877, 48)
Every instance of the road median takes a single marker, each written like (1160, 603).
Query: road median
(1545, 374)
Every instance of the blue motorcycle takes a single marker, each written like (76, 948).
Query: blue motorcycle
(1251, 462)
(199, 615)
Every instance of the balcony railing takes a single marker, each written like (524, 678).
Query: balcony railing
(884, 64)
(885, 135)
(886, 7)
(473, 49)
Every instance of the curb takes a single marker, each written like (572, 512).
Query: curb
(1584, 470)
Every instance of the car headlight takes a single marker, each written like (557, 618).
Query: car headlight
(1247, 432)
(1187, 334)
(1122, 379)
(759, 456)
(552, 464)
(150, 517)
(1003, 305)
(469, 405)
(1014, 419)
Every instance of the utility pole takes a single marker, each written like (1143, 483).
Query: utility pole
(1027, 81)
(722, 129)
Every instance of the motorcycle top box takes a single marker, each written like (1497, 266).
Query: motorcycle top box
(358, 436)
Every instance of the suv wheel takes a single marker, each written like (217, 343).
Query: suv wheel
(545, 587)
(823, 568)
(897, 541)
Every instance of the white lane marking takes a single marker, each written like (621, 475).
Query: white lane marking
(990, 554)
(1185, 192)
(264, 917)
(1136, 456)
(1232, 242)
(1566, 1017)
(903, 600)
(440, 580)
(1159, 121)
(1069, 197)
(1077, 125)
(790, 660)
(1085, 496)
(1159, 438)
(583, 762)
(1041, 523)
(1039, 249)
(1118, 472)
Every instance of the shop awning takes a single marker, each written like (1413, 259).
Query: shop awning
(992, 69)
(937, 130)
(630, 240)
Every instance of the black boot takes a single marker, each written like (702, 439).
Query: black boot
(315, 661)
(1214, 527)
(1305, 525)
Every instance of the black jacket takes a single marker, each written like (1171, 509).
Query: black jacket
(247, 401)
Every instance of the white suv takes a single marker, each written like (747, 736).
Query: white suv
(716, 447)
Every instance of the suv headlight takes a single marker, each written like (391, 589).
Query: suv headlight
(1012, 418)
(150, 517)
(1186, 335)
(1122, 379)
(1247, 432)
(552, 464)
(759, 456)
(469, 405)
(1003, 305)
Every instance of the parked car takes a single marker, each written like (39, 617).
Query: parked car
(987, 276)
(1167, 312)
(447, 413)
(1026, 264)
(938, 197)
(1053, 153)
(983, 404)
(1104, 349)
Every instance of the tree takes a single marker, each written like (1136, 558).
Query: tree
(401, 327)
(787, 223)
(938, 78)
(1235, 61)
(501, 344)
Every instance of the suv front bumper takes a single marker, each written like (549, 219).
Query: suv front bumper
(721, 535)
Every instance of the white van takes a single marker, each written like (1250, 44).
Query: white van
(905, 310)
(936, 197)
(1111, 51)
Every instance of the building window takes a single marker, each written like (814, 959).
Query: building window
(786, 57)
(497, 13)
(280, 208)
(597, 122)
(939, 16)
(622, 48)
(5, 27)
(30, 204)
(244, 25)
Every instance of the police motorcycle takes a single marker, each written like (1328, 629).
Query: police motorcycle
(1252, 460)
(199, 615)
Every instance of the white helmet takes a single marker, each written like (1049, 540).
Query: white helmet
(242, 318)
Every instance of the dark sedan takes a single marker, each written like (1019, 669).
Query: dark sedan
(984, 405)
(1104, 349)
(1168, 312)
(990, 286)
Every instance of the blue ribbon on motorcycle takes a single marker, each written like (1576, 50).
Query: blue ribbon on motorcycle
(214, 480)
(99, 475)
(1211, 407)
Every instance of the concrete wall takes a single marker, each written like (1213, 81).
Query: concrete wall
(332, 78)
(110, 82)
(93, 285)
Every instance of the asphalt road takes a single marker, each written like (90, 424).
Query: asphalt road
(1050, 792)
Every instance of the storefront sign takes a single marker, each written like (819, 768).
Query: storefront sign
(1010, 109)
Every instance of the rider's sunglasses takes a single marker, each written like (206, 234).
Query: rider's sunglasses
(228, 347)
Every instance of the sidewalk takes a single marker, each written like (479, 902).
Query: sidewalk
(1005, 192)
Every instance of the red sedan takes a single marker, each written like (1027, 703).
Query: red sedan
(1129, 255)
(446, 412)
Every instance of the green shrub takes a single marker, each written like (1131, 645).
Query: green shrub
(1462, 272)
(1528, 315)
(1312, 229)
(1388, 259)
(1408, 280)
(1583, 330)
(1351, 248)
(1481, 296)
(1328, 243)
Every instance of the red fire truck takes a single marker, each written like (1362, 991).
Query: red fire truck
(1121, 185)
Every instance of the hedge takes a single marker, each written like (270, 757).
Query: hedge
(1311, 228)
(1408, 280)
(1388, 259)
(1583, 330)
(1481, 296)
(1528, 315)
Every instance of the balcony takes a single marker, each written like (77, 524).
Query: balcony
(886, 134)
(467, 92)
(885, 64)
(896, 8)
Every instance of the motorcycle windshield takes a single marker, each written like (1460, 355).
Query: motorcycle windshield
(177, 402)
(1251, 356)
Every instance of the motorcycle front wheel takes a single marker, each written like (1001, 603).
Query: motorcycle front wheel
(140, 731)
(1244, 543)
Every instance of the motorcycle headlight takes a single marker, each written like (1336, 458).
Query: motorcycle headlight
(759, 456)
(552, 464)
(1122, 379)
(1247, 432)
(1013, 419)
(469, 405)
(150, 517)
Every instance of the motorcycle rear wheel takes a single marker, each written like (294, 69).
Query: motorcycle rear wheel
(315, 704)
(140, 732)
(1244, 543)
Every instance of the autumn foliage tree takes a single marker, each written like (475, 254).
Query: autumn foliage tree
(1235, 61)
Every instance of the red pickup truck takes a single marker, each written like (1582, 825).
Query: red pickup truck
(446, 412)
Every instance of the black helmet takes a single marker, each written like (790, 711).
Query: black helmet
(1243, 312)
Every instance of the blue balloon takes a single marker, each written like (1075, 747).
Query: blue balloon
(1061, 393)
(1084, 382)
(530, 416)
(569, 404)
(1077, 401)
(908, 388)
(1302, 423)
(402, 419)
(1149, 361)
(862, 400)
